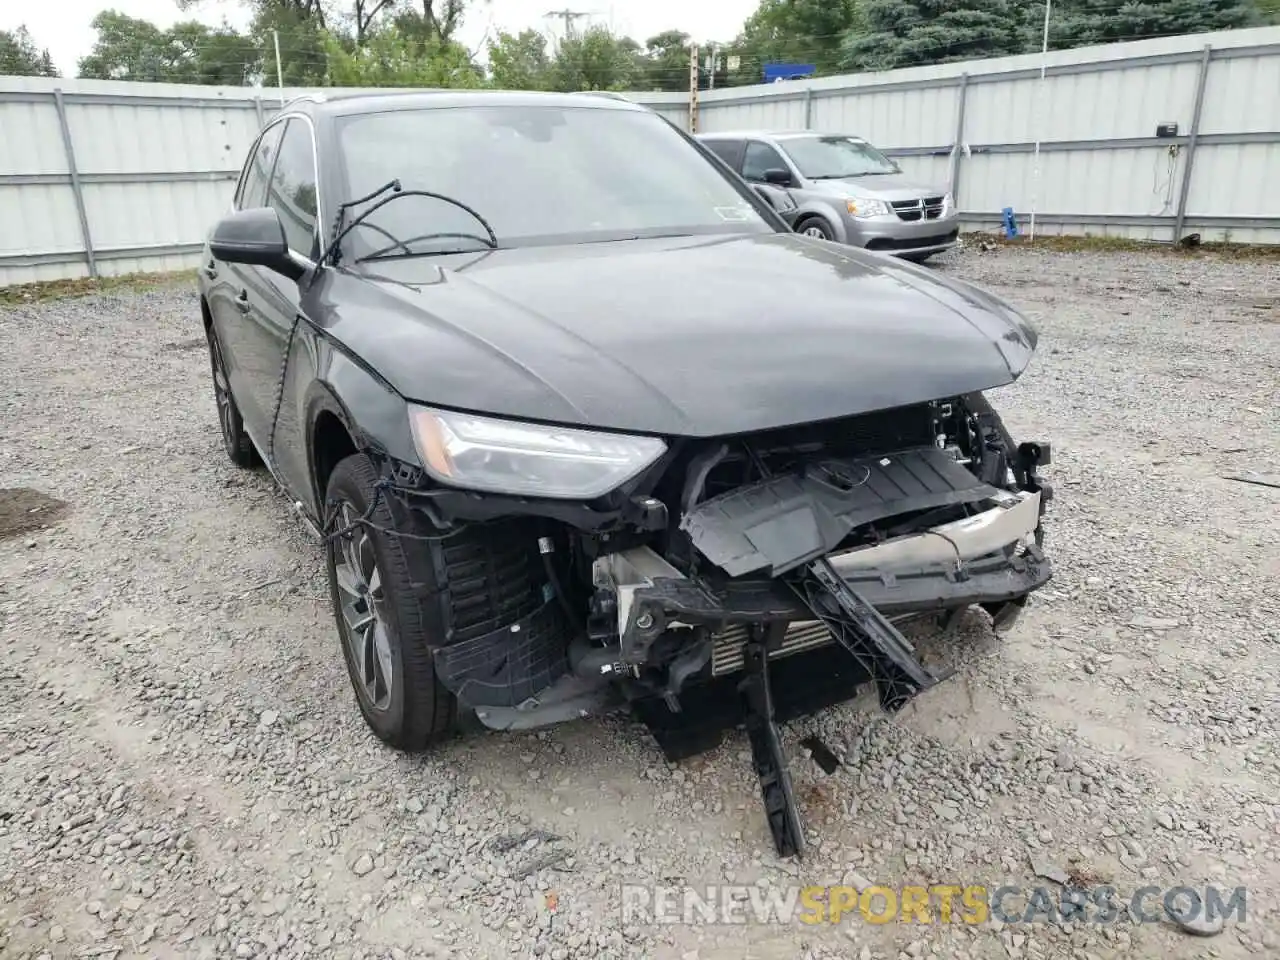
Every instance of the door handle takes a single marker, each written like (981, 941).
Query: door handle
(210, 270)
(242, 301)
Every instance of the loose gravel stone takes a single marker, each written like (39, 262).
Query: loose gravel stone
(183, 771)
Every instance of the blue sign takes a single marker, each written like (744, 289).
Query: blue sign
(775, 72)
(1010, 222)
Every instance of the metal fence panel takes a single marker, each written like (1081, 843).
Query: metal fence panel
(102, 177)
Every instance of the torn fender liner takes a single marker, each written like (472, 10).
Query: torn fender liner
(783, 523)
(510, 665)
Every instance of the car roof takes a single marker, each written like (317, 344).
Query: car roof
(342, 103)
(771, 134)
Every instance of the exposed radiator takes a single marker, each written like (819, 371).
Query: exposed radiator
(726, 647)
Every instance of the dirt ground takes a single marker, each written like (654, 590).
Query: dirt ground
(183, 772)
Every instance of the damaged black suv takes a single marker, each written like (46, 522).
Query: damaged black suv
(582, 423)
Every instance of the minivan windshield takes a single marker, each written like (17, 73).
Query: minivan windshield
(834, 158)
(538, 174)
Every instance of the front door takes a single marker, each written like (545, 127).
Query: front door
(229, 283)
(270, 300)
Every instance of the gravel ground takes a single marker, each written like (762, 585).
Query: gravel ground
(183, 772)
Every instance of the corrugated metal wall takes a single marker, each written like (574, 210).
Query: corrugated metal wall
(155, 164)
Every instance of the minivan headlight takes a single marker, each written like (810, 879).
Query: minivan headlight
(864, 207)
(527, 459)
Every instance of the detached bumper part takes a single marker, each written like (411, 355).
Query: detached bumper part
(789, 528)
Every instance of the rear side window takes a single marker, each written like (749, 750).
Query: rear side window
(730, 151)
(253, 184)
(292, 192)
(759, 158)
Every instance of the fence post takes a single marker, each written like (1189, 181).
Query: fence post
(1192, 137)
(957, 144)
(257, 106)
(808, 108)
(693, 88)
(70, 151)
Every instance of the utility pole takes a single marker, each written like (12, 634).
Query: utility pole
(711, 66)
(693, 88)
(568, 16)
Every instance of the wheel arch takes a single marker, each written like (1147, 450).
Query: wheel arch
(347, 411)
(811, 210)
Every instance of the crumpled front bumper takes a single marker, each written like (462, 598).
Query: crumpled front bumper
(990, 559)
(761, 536)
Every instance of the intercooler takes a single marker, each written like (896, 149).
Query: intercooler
(727, 646)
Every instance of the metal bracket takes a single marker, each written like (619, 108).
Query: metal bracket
(766, 746)
(877, 645)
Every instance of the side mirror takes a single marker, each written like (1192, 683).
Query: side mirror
(777, 176)
(256, 237)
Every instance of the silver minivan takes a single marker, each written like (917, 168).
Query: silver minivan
(843, 189)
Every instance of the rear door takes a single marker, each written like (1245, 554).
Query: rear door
(227, 282)
(730, 151)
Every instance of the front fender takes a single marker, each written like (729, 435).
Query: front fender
(373, 414)
(818, 208)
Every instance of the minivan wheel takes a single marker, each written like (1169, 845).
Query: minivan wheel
(235, 441)
(387, 639)
(816, 227)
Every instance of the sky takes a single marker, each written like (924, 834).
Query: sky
(62, 26)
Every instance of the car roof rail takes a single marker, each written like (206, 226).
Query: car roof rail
(612, 95)
(303, 98)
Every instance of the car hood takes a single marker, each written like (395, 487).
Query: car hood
(890, 186)
(678, 337)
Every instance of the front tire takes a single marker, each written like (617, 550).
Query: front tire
(387, 642)
(817, 228)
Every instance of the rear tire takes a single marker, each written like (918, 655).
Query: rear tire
(235, 441)
(426, 594)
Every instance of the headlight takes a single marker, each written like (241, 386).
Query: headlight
(528, 459)
(862, 207)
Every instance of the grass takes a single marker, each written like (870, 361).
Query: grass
(1092, 244)
(26, 293)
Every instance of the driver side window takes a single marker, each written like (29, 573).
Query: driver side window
(292, 191)
(253, 184)
(759, 158)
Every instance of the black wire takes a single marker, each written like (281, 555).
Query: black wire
(330, 536)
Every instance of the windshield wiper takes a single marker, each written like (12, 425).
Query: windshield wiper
(382, 253)
(847, 176)
(340, 232)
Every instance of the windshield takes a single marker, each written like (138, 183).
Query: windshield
(833, 158)
(536, 174)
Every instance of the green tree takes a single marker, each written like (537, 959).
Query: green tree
(390, 59)
(304, 43)
(1269, 10)
(19, 56)
(433, 20)
(792, 31)
(520, 61)
(664, 62)
(594, 60)
(1083, 22)
(908, 33)
(128, 48)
